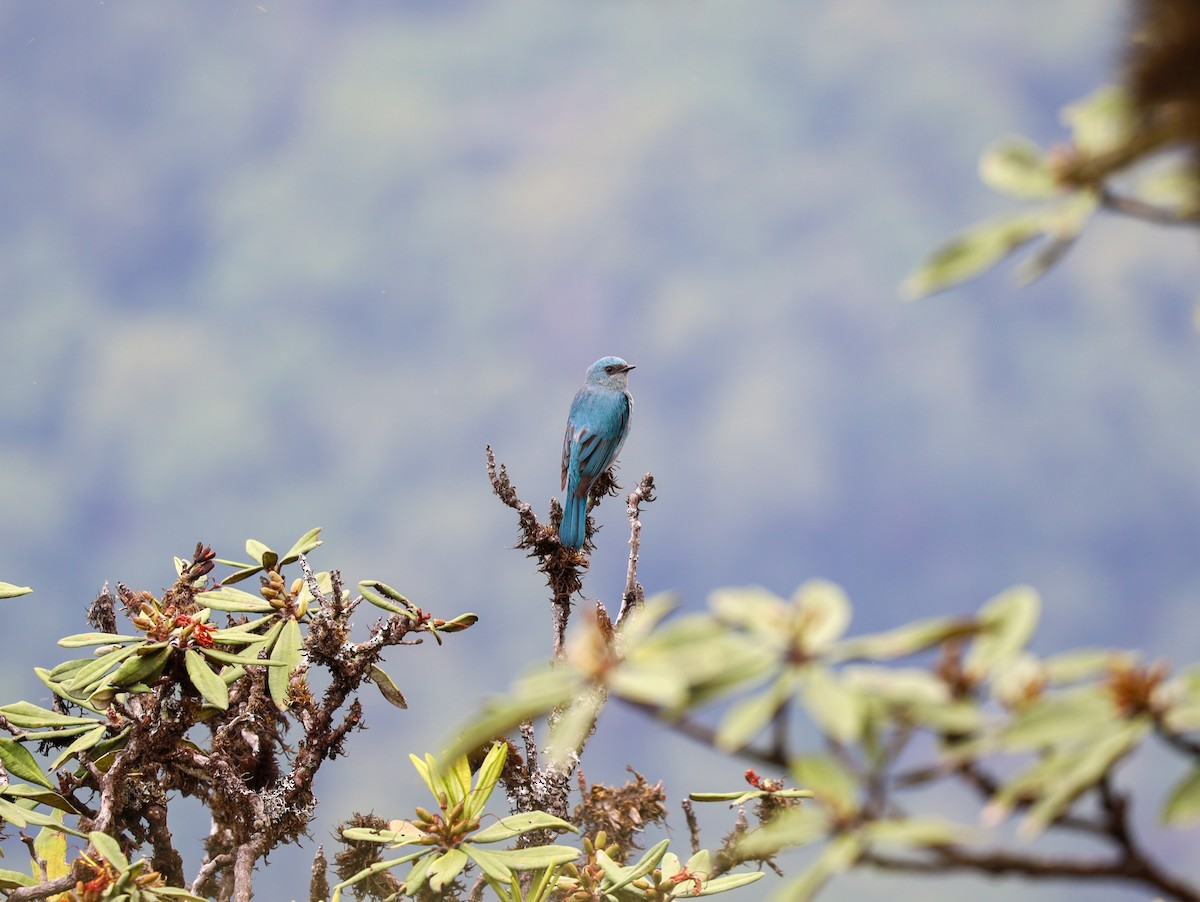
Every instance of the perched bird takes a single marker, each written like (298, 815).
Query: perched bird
(596, 430)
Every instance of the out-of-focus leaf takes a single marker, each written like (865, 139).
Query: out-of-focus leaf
(1017, 167)
(793, 827)
(234, 601)
(755, 609)
(207, 683)
(837, 857)
(972, 251)
(828, 780)
(516, 824)
(570, 731)
(1068, 716)
(1183, 802)
(1083, 663)
(897, 685)
(387, 688)
(1091, 763)
(533, 695)
(902, 641)
(749, 717)
(1103, 121)
(824, 613)
(1008, 622)
(1175, 189)
(840, 711)
(655, 683)
(1064, 222)
(920, 831)
(8, 590)
(19, 763)
(287, 651)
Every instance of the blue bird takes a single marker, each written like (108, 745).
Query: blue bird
(596, 430)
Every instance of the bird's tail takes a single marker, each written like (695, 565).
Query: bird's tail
(573, 521)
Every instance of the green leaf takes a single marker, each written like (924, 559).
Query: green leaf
(21, 764)
(87, 678)
(287, 650)
(234, 600)
(1083, 663)
(1183, 803)
(207, 683)
(1017, 167)
(8, 590)
(486, 779)
(81, 639)
(489, 862)
(623, 876)
(1007, 622)
(174, 892)
(446, 867)
(41, 796)
(10, 880)
(12, 814)
(534, 857)
(387, 688)
(84, 742)
(829, 781)
(141, 668)
(729, 882)
(824, 613)
(516, 824)
(569, 732)
(972, 251)
(302, 545)
(30, 716)
(384, 596)
(110, 849)
(247, 658)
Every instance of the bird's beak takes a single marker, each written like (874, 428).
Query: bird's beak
(628, 367)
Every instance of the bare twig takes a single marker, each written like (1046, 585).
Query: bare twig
(1147, 212)
(634, 595)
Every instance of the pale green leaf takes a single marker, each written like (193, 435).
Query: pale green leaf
(1103, 121)
(516, 824)
(749, 717)
(828, 780)
(1017, 167)
(30, 716)
(234, 600)
(824, 614)
(1007, 622)
(972, 251)
(109, 849)
(207, 683)
(838, 710)
(1183, 803)
(446, 867)
(79, 640)
(792, 827)
(303, 545)
(387, 688)
(8, 590)
(286, 651)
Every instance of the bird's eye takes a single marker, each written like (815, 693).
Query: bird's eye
(609, 369)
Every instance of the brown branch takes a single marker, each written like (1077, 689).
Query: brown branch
(42, 890)
(997, 862)
(1147, 212)
(634, 594)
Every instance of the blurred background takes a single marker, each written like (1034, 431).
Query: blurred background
(268, 266)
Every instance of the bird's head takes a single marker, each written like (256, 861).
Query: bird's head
(609, 372)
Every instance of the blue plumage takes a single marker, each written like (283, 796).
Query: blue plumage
(596, 430)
